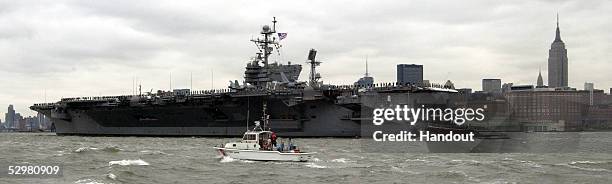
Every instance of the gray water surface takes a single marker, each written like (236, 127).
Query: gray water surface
(192, 160)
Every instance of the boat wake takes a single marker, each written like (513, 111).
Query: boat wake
(128, 162)
(313, 165)
(588, 166)
(111, 149)
(587, 162)
(226, 159)
(112, 176)
(81, 150)
(340, 160)
(88, 181)
(148, 152)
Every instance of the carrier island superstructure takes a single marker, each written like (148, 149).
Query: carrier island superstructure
(295, 108)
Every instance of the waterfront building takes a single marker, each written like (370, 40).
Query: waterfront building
(21, 125)
(598, 118)
(521, 88)
(465, 90)
(18, 121)
(31, 124)
(554, 110)
(506, 87)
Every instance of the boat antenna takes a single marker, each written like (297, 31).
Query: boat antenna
(274, 23)
(248, 112)
(265, 118)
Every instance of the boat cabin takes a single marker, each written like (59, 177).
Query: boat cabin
(256, 136)
(253, 140)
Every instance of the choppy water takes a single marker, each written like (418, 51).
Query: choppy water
(191, 160)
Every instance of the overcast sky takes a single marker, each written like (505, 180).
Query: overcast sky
(96, 47)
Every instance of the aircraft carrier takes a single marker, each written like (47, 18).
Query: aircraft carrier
(295, 108)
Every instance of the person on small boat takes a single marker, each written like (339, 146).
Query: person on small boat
(268, 145)
(281, 146)
(289, 145)
(273, 137)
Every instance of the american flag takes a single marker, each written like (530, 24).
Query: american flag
(282, 36)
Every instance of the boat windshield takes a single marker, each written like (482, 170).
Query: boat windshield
(265, 135)
(249, 137)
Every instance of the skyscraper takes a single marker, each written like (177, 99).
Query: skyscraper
(589, 86)
(540, 82)
(18, 120)
(492, 85)
(410, 73)
(557, 62)
(9, 117)
(366, 80)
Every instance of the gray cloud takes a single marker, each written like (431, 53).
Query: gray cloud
(84, 48)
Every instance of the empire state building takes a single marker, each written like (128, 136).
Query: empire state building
(557, 62)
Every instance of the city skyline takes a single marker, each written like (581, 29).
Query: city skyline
(69, 49)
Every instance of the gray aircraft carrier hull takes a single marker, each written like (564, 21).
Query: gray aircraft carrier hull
(326, 120)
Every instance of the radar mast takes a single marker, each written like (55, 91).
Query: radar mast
(264, 45)
(314, 76)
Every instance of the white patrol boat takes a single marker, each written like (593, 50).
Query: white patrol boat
(258, 144)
